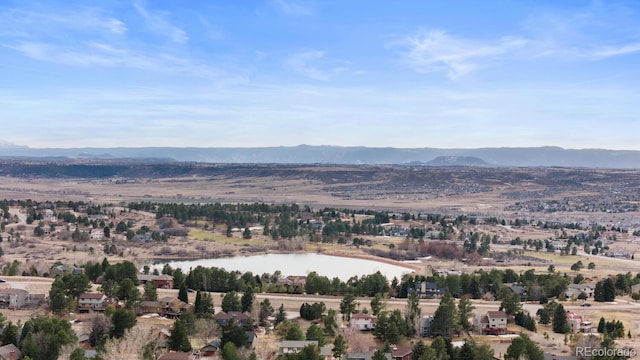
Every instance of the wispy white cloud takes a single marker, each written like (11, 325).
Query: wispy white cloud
(594, 33)
(301, 63)
(292, 7)
(610, 51)
(435, 50)
(157, 21)
(92, 37)
(38, 22)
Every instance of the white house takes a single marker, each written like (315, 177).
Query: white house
(363, 322)
(91, 302)
(13, 298)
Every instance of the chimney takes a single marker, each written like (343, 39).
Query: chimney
(12, 355)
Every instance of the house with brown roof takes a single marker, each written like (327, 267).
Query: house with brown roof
(401, 352)
(88, 302)
(174, 307)
(163, 281)
(494, 323)
(223, 318)
(149, 307)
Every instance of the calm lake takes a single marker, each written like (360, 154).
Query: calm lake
(295, 264)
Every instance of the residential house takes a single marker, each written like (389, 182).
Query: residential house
(295, 346)
(13, 298)
(64, 270)
(519, 290)
(578, 323)
(494, 323)
(222, 318)
(575, 290)
(363, 322)
(96, 234)
(10, 352)
(428, 290)
(149, 307)
(36, 299)
(399, 352)
(89, 302)
(173, 307)
(635, 288)
(177, 355)
(425, 325)
(163, 281)
(211, 348)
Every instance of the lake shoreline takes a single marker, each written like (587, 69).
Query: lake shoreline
(271, 261)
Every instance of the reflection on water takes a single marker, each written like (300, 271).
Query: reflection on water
(295, 264)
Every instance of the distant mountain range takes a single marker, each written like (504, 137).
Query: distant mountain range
(307, 154)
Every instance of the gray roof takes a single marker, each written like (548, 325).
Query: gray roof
(6, 350)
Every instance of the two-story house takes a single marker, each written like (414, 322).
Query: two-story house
(88, 302)
(363, 322)
(494, 322)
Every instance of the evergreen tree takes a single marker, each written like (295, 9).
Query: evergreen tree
(122, 320)
(247, 299)
(315, 332)
(150, 291)
(179, 340)
(204, 305)
(598, 293)
(330, 323)
(445, 317)
(235, 333)
(294, 332)
(413, 314)
(523, 346)
(59, 302)
(609, 290)
(560, 324)
(347, 306)
(339, 346)
(376, 304)
(280, 316)
(601, 325)
(266, 310)
(230, 352)
(231, 302)
(183, 295)
(465, 311)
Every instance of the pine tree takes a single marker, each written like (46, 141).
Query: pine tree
(609, 290)
(179, 340)
(182, 293)
(465, 311)
(602, 325)
(445, 318)
(598, 293)
(247, 299)
(280, 316)
(559, 323)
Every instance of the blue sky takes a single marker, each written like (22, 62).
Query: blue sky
(449, 74)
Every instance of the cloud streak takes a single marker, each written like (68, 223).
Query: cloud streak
(291, 7)
(592, 34)
(435, 50)
(158, 23)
